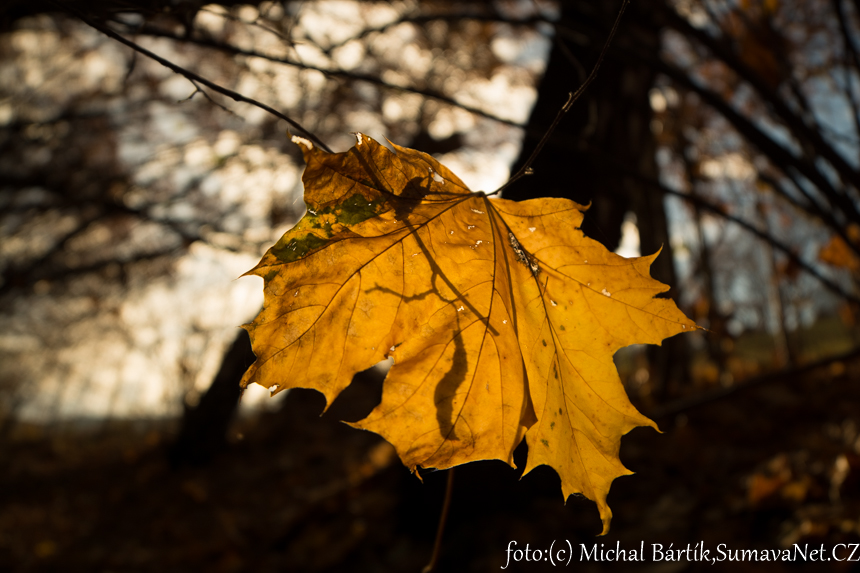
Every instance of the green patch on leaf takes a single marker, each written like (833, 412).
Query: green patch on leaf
(316, 223)
(295, 249)
(356, 209)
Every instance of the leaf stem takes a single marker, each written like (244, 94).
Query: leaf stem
(443, 518)
(526, 169)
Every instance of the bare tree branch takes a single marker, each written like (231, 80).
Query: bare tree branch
(765, 143)
(825, 217)
(334, 73)
(807, 136)
(194, 77)
(199, 90)
(850, 52)
(765, 236)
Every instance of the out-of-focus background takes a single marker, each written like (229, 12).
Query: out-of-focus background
(132, 197)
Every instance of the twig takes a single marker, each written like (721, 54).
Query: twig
(189, 74)
(256, 23)
(443, 518)
(526, 169)
(199, 90)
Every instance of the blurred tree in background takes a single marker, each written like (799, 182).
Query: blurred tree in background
(132, 194)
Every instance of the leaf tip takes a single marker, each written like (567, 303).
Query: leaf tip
(606, 523)
(301, 141)
(646, 422)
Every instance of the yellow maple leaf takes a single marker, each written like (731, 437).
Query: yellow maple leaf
(501, 317)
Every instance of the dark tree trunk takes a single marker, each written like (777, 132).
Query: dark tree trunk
(567, 167)
(203, 432)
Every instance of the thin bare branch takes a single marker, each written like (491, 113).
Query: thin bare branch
(811, 208)
(852, 53)
(526, 169)
(807, 136)
(191, 75)
(256, 23)
(771, 240)
(761, 140)
(334, 73)
(199, 90)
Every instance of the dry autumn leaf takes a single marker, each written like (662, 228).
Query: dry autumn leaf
(501, 317)
(837, 252)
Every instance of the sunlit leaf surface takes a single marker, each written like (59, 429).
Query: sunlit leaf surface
(501, 317)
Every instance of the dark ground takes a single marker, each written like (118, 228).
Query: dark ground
(764, 468)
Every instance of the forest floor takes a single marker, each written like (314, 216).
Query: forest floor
(765, 467)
